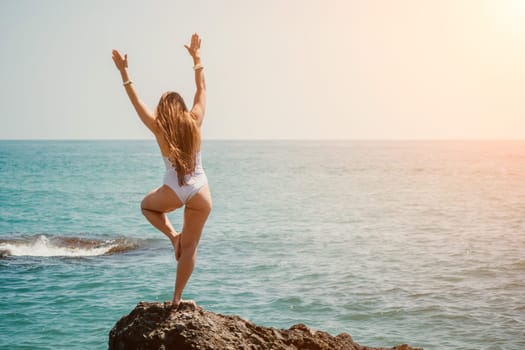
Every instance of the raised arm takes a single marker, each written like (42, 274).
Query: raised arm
(199, 100)
(145, 114)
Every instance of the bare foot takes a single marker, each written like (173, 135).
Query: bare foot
(176, 301)
(178, 251)
(175, 242)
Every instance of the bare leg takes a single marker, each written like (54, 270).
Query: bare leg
(155, 205)
(161, 222)
(184, 269)
(195, 215)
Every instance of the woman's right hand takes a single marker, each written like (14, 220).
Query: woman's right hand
(195, 47)
(121, 63)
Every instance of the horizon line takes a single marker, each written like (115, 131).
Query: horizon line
(271, 139)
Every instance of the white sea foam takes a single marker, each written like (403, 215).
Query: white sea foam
(44, 246)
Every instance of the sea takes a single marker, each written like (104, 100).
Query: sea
(418, 242)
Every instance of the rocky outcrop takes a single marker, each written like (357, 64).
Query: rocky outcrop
(159, 326)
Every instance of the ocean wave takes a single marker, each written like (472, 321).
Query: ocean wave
(47, 246)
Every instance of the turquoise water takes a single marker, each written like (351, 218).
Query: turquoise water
(399, 241)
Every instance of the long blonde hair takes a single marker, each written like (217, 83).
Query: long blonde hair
(180, 132)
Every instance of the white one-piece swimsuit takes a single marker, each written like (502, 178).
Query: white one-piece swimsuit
(192, 182)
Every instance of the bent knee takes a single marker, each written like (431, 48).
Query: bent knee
(145, 211)
(146, 205)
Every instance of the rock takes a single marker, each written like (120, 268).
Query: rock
(159, 326)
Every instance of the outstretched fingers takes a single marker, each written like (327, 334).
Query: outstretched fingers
(118, 60)
(116, 55)
(195, 44)
(196, 41)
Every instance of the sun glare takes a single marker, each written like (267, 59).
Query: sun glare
(512, 13)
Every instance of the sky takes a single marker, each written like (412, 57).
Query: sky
(275, 69)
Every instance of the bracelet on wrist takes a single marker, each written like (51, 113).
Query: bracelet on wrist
(127, 82)
(198, 66)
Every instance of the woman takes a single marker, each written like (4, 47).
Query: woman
(178, 135)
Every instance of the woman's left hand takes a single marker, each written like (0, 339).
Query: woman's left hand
(121, 63)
